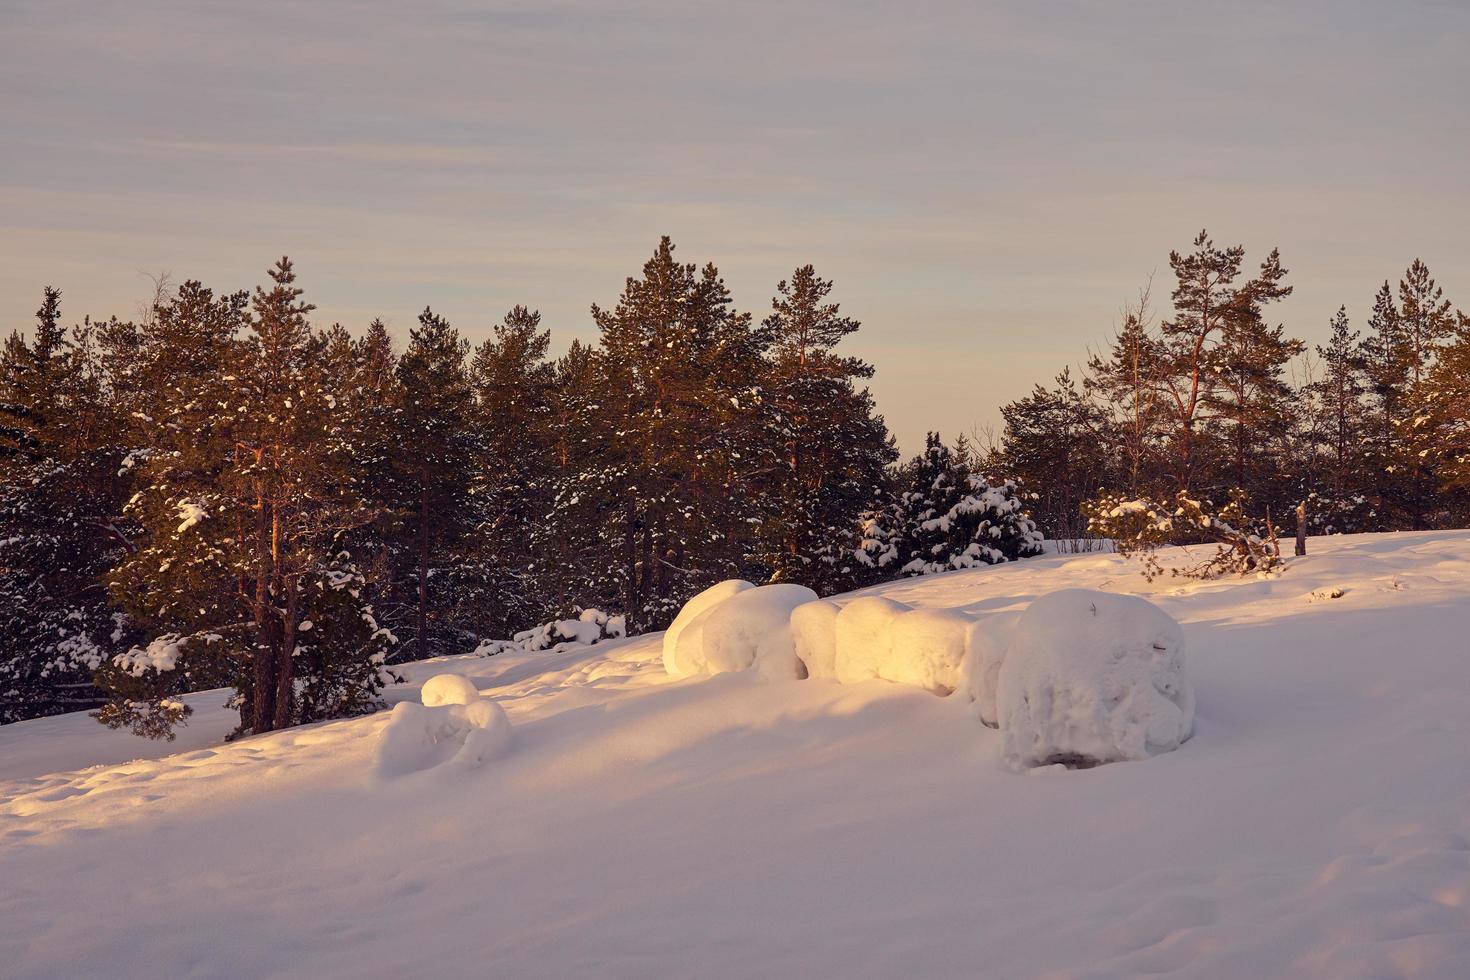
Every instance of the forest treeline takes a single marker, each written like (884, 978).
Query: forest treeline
(1213, 399)
(221, 493)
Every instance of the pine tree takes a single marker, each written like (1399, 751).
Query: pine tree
(1252, 405)
(683, 408)
(1127, 383)
(1442, 429)
(1217, 329)
(247, 500)
(513, 383)
(833, 449)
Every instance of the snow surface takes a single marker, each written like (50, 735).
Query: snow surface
(1092, 677)
(1316, 825)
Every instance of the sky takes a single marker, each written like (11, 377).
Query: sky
(986, 183)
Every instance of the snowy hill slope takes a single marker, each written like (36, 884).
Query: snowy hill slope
(1318, 824)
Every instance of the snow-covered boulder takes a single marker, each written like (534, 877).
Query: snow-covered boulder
(453, 726)
(985, 650)
(926, 648)
(1093, 677)
(442, 689)
(880, 639)
(864, 637)
(814, 634)
(750, 629)
(691, 611)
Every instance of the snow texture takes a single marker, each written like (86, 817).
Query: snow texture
(1093, 677)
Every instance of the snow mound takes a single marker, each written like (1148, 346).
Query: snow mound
(814, 635)
(985, 651)
(926, 648)
(454, 727)
(864, 637)
(1093, 677)
(881, 639)
(442, 689)
(691, 611)
(749, 629)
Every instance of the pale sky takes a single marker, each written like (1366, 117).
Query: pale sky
(987, 183)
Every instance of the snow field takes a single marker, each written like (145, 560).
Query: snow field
(1318, 827)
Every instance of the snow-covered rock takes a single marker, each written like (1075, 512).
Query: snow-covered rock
(749, 629)
(864, 637)
(453, 726)
(1093, 677)
(985, 651)
(814, 634)
(926, 648)
(881, 639)
(444, 689)
(691, 611)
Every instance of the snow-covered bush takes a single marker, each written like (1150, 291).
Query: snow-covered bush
(880, 639)
(453, 726)
(814, 635)
(750, 628)
(589, 627)
(1138, 528)
(1093, 677)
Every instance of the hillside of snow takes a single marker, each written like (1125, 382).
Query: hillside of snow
(638, 824)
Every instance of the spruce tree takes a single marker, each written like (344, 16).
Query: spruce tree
(436, 461)
(1338, 434)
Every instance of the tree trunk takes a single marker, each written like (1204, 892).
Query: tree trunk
(422, 638)
(1301, 528)
(263, 692)
(285, 674)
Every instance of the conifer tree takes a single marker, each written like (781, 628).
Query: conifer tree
(683, 409)
(1055, 446)
(833, 449)
(246, 500)
(438, 453)
(1338, 436)
(60, 526)
(1250, 401)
